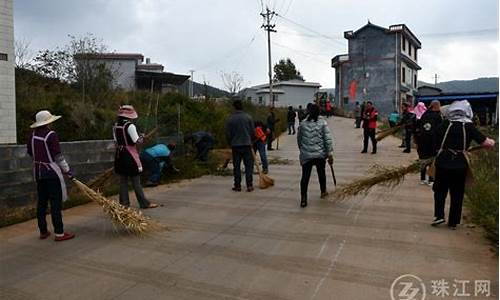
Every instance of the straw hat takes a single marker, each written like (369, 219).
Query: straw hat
(44, 117)
(127, 111)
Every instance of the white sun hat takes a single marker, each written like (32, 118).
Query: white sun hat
(44, 117)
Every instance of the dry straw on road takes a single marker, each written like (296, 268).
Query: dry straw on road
(132, 220)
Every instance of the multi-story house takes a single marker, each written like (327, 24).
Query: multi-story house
(381, 66)
(285, 93)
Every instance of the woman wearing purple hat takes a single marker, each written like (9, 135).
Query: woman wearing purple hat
(49, 166)
(127, 161)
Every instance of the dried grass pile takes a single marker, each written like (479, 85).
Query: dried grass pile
(132, 220)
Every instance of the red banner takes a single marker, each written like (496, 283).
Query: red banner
(352, 89)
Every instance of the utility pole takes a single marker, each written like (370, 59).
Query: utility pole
(435, 80)
(269, 28)
(191, 85)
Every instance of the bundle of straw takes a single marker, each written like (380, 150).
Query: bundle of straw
(264, 180)
(387, 132)
(132, 220)
(385, 176)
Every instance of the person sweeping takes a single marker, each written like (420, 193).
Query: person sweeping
(454, 136)
(49, 166)
(316, 145)
(127, 162)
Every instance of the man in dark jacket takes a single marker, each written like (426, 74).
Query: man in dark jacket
(271, 125)
(240, 132)
(425, 136)
(301, 114)
(291, 115)
(408, 121)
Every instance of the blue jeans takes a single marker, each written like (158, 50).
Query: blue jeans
(291, 127)
(242, 153)
(149, 163)
(261, 147)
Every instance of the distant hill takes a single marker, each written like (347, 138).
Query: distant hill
(480, 85)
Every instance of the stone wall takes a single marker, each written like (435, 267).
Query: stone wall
(86, 159)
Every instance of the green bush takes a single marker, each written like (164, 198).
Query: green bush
(482, 196)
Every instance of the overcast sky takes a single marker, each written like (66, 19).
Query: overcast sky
(459, 37)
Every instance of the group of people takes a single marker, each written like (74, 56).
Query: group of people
(442, 133)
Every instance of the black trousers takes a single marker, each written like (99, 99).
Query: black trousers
(423, 173)
(306, 174)
(369, 133)
(49, 190)
(270, 140)
(408, 140)
(452, 180)
(242, 153)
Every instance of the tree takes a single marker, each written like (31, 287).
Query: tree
(285, 70)
(23, 53)
(56, 64)
(232, 81)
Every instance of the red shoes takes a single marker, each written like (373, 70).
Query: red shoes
(65, 236)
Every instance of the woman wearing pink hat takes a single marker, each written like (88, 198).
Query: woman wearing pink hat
(49, 166)
(127, 162)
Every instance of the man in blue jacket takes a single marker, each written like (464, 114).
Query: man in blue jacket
(154, 159)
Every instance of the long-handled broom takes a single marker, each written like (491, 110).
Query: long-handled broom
(385, 176)
(264, 180)
(132, 220)
(387, 132)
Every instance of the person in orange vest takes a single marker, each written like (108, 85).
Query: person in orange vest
(261, 132)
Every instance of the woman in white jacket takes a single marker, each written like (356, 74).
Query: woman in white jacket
(316, 146)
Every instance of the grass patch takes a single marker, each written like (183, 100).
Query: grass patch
(482, 196)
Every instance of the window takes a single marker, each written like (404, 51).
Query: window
(404, 44)
(4, 56)
(403, 75)
(415, 53)
(260, 100)
(249, 98)
(409, 50)
(415, 81)
(346, 100)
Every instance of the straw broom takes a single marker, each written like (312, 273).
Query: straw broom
(385, 176)
(101, 180)
(264, 180)
(132, 220)
(387, 132)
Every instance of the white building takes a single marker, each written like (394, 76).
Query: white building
(285, 93)
(131, 73)
(7, 75)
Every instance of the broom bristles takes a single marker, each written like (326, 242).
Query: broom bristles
(132, 220)
(385, 133)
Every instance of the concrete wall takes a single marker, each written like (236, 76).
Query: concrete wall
(296, 95)
(86, 159)
(373, 64)
(7, 84)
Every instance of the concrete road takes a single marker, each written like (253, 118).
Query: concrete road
(260, 245)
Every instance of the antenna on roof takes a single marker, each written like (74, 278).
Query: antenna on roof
(369, 21)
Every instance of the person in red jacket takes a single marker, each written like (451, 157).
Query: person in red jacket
(370, 116)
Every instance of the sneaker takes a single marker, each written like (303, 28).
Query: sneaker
(437, 221)
(43, 236)
(303, 203)
(374, 152)
(236, 188)
(430, 183)
(250, 188)
(64, 236)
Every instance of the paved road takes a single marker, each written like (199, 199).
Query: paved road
(258, 245)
